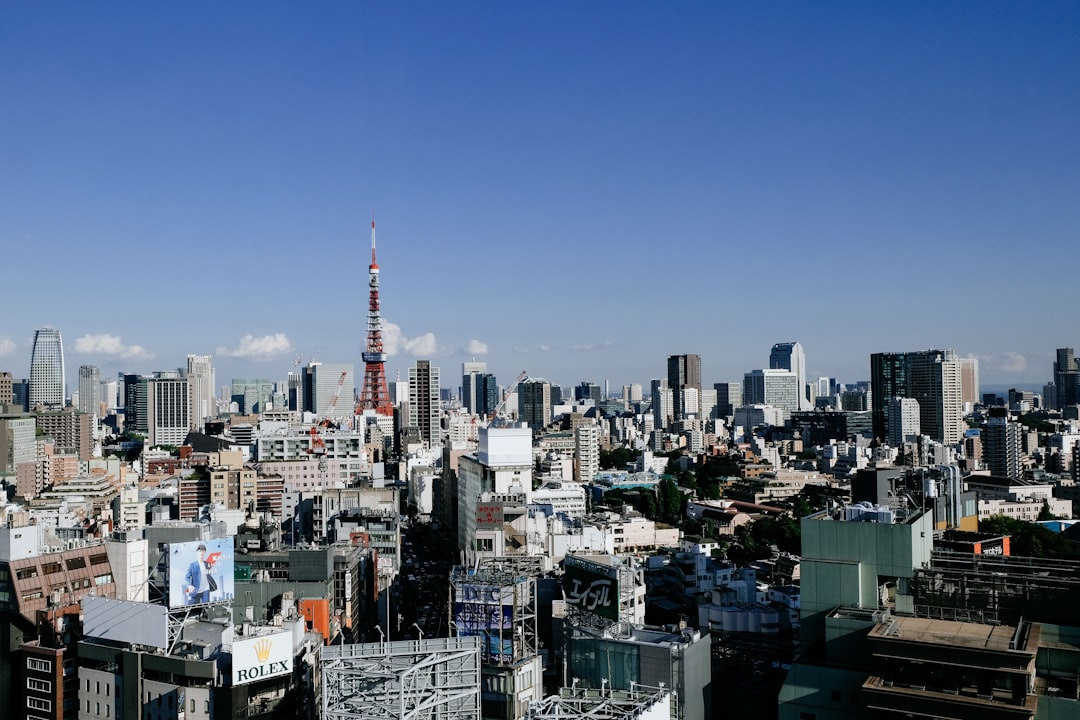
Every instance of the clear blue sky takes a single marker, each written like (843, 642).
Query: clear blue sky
(576, 189)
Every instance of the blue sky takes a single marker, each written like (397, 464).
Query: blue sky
(575, 189)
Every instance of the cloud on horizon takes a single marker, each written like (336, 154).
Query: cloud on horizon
(112, 345)
(588, 347)
(7, 346)
(265, 347)
(1008, 362)
(395, 343)
(475, 347)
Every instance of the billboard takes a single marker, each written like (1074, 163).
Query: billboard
(201, 572)
(124, 621)
(261, 657)
(486, 611)
(489, 514)
(591, 587)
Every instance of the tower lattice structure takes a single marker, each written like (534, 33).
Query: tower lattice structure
(376, 393)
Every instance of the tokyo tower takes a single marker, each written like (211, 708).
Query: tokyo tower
(376, 394)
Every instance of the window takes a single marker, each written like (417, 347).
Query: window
(39, 685)
(33, 703)
(38, 664)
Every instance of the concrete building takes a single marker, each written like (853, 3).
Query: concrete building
(1001, 450)
(933, 378)
(586, 451)
(903, 421)
(168, 406)
(90, 390)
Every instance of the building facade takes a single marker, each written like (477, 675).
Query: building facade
(47, 369)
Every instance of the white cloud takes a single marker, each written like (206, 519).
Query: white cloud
(7, 346)
(588, 347)
(105, 344)
(1014, 362)
(395, 343)
(258, 348)
(475, 347)
(1008, 362)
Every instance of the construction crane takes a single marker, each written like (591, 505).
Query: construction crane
(498, 408)
(337, 393)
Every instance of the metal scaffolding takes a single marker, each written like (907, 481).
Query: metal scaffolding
(603, 704)
(411, 679)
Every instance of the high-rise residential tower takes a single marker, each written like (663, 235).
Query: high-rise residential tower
(90, 389)
(47, 369)
(684, 371)
(790, 356)
(424, 409)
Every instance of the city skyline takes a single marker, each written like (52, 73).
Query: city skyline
(707, 179)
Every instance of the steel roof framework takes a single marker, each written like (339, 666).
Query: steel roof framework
(412, 679)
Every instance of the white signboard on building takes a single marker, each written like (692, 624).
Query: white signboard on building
(261, 657)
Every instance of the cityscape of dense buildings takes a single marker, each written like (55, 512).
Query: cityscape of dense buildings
(777, 547)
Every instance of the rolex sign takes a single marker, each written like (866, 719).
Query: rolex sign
(262, 657)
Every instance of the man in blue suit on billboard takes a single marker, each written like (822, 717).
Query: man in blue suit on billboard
(197, 582)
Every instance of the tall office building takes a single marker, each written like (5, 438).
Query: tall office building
(683, 371)
(789, 356)
(534, 403)
(779, 388)
(424, 409)
(1067, 378)
(661, 398)
(251, 396)
(90, 390)
(200, 375)
(728, 397)
(332, 389)
(47, 369)
(930, 376)
(473, 386)
(168, 405)
(135, 408)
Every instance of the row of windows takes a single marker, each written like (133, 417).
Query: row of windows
(38, 664)
(39, 685)
(34, 703)
(97, 709)
(97, 687)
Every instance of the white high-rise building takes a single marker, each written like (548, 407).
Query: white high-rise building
(333, 389)
(90, 390)
(587, 448)
(47, 369)
(168, 410)
(200, 376)
(904, 424)
(779, 388)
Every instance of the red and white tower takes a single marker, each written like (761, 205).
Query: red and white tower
(376, 394)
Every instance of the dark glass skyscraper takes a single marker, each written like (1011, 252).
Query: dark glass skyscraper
(683, 371)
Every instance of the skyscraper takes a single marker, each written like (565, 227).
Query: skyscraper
(1067, 378)
(424, 408)
(904, 423)
(89, 389)
(200, 375)
(471, 386)
(1001, 444)
(47, 369)
(776, 387)
(683, 371)
(168, 405)
(789, 356)
(534, 403)
(930, 376)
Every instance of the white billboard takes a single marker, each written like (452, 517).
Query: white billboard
(124, 621)
(261, 657)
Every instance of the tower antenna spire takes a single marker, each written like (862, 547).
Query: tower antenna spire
(376, 392)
